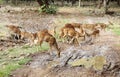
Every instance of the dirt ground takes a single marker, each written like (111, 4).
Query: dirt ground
(32, 21)
(36, 69)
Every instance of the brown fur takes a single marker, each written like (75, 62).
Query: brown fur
(79, 26)
(44, 35)
(94, 33)
(102, 26)
(29, 36)
(14, 30)
(68, 25)
(53, 31)
(90, 36)
(66, 28)
(69, 31)
(76, 25)
(89, 26)
(34, 35)
(73, 34)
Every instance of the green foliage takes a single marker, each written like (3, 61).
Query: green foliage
(97, 62)
(51, 9)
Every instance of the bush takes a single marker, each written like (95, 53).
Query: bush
(51, 9)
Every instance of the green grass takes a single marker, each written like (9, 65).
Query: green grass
(116, 29)
(5, 71)
(15, 57)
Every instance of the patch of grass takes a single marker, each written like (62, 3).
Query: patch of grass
(5, 70)
(23, 61)
(116, 29)
(15, 57)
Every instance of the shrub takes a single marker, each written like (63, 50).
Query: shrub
(51, 9)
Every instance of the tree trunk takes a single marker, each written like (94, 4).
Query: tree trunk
(100, 2)
(43, 2)
(79, 3)
(73, 2)
(118, 2)
(105, 6)
(15, 2)
(62, 2)
(40, 2)
(106, 3)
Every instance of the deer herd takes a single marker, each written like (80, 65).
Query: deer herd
(70, 32)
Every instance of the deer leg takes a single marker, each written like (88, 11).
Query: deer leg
(57, 49)
(51, 48)
(31, 42)
(40, 41)
(71, 40)
(78, 42)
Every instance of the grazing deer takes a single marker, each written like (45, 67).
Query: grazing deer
(69, 31)
(44, 35)
(89, 36)
(15, 31)
(103, 26)
(89, 26)
(65, 28)
(31, 37)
